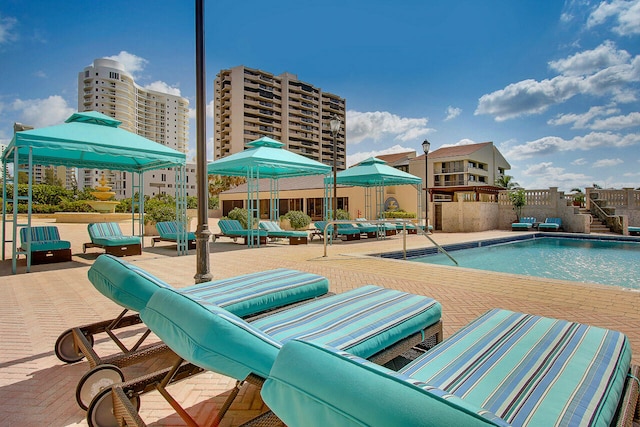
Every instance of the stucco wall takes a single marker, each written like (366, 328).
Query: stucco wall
(462, 216)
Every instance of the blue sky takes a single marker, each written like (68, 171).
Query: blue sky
(555, 85)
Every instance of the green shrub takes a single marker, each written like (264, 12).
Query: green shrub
(240, 214)
(399, 214)
(214, 202)
(159, 209)
(297, 219)
(341, 214)
(75, 206)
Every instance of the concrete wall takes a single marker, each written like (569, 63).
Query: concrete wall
(464, 216)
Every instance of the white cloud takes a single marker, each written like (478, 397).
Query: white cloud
(6, 29)
(132, 63)
(163, 87)
(354, 158)
(381, 124)
(605, 163)
(533, 97)
(580, 162)
(40, 74)
(581, 121)
(625, 13)
(617, 122)
(554, 144)
(452, 113)
(464, 141)
(590, 61)
(209, 113)
(43, 112)
(544, 175)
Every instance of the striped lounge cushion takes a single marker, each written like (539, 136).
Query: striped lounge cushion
(43, 238)
(110, 234)
(364, 321)
(530, 370)
(131, 287)
(335, 388)
(169, 230)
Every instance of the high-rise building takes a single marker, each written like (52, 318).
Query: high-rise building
(107, 87)
(251, 103)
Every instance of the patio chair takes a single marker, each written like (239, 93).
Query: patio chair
(370, 321)
(550, 224)
(525, 224)
(274, 230)
(168, 232)
(634, 231)
(131, 287)
(370, 230)
(233, 229)
(108, 235)
(504, 368)
(46, 245)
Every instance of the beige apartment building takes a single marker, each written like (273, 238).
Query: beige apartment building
(106, 86)
(251, 103)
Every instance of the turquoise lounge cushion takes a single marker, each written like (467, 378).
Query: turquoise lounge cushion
(169, 230)
(110, 234)
(332, 388)
(116, 240)
(249, 294)
(364, 321)
(530, 370)
(43, 239)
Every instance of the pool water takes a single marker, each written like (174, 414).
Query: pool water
(588, 261)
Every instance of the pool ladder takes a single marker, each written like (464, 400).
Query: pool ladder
(440, 248)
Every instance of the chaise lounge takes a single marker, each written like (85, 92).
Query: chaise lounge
(168, 231)
(233, 229)
(348, 231)
(131, 287)
(634, 231)
(370, 321)
(108, 236)
(550, 224)
(274, 230)
(504, 368)
(525, 224)
(46, 245)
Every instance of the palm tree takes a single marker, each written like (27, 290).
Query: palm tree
(506, 181)
(218, 183)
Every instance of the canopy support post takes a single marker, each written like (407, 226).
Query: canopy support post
(181, 209)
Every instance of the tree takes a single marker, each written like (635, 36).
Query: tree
(506, 181)
(518, 200)
(50, 177)
(218, 183)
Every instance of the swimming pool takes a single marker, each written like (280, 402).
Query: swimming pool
(587, 260)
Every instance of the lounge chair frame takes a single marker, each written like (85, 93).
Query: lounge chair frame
(116, 249)
(191, 243)
(123, 393)
(45, 235)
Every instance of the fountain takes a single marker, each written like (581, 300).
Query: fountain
(103, 194)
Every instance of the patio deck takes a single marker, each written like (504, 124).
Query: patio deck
(38, 389)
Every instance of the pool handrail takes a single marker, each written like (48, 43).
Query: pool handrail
(440, 248)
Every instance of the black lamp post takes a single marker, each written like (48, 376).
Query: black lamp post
(425, 147)
(335, 128)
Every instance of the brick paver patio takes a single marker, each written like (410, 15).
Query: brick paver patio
(35, 308)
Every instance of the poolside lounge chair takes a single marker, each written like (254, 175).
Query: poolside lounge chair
(108, 235)
(274, 230)
(634, 231)
(409, 227)
(131, 287)
(385, 228)
(46, 245)
(349, 232)
(504, 368)
(233, 229)
(168, 231)
(370, 321)
(550, 224)
(525, 224)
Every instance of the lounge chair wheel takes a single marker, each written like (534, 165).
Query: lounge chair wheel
(100, 412)
(95, 380)
(65, 350)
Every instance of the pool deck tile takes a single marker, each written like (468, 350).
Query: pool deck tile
(38, 389)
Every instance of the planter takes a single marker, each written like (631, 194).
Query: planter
(150, 230)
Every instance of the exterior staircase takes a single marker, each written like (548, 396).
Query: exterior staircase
(597, 226)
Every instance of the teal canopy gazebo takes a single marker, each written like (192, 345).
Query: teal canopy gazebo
(90, 140)
(265, 158)
(375, 174)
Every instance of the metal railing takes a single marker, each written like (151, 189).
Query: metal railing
(381, 222)
(601, 214)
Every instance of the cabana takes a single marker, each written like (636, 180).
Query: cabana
(91, 140)
(375, 174)
(265, 158)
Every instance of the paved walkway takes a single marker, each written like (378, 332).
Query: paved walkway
(38, 389)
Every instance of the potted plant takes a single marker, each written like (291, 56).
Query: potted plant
(578, 197)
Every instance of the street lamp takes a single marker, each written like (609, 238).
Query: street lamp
(335, 128)
(425, 147)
